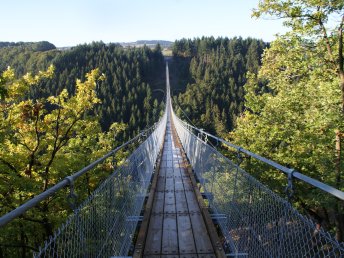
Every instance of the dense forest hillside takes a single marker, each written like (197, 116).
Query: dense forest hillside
(126, 93)
(214, 73)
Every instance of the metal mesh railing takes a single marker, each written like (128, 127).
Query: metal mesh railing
(104, 224)
(254, 221)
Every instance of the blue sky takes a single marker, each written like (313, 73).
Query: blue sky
(72, 22)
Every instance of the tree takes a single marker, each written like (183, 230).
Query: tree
(320, 21)
(41, 142)
(293, 107)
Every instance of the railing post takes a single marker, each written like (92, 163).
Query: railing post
(289, 190)
(72, 197)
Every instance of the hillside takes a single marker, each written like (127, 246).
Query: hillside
(126, 93)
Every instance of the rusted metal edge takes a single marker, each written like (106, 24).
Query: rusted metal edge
(142, 235)
(214, 238)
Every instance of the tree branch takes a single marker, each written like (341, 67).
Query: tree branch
(9, 165)
(340, 46)
(58, 146)
(341, 59)
(327, 41)
(57, 129)
(38, 140)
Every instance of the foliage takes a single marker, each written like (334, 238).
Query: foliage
(42, 141)
(127, 92)
(217, 72)
(319, 21)
(293, 118)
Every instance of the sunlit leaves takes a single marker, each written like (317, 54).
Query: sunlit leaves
(44, 140)
(294, 104)
(302, 16)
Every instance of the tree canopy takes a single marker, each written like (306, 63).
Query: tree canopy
(294, 104)
(127, 92)
(216, 73)
(42, 141)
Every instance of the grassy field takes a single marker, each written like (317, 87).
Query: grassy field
(167, 52)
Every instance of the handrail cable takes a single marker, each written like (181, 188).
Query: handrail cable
(289, 171)
(193, 125)
(69, 180)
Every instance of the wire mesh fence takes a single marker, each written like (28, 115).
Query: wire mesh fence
(104, 224)
(254, 221)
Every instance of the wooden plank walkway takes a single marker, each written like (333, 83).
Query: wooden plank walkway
(173, 225)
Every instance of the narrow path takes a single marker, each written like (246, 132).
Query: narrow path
(176, 227)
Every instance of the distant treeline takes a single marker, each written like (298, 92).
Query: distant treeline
(35, 46)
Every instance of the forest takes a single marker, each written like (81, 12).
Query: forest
(61, 110)
(213, 79)
(126, 91)
(283, 100)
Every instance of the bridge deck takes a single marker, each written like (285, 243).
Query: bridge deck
(176, 227)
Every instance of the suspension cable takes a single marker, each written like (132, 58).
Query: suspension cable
(65, 182)
(324, 187)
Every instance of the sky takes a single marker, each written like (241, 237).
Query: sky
(72, 22)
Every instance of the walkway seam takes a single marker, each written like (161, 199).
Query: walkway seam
(219, 252)
(141, 238)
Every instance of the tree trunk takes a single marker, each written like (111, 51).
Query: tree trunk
(341, 75)
(22, 241)
(339, 221)
(341, 60)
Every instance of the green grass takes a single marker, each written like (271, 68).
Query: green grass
(167, 52)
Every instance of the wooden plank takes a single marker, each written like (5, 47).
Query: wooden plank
(185, 235)
(170, 256)
(169, 185)
(219, 252)
(201, 222)
(178, 181)
(179, 186)
(206, 256)
(170, 202)
(169, 171)
(169, 235)
(202, 240)
(192, 201)
(169, 163)
(154, 234)
(142, 235)
(176, 226)
(177, 171)
(181, 203)
(161, 184)
(158, 203)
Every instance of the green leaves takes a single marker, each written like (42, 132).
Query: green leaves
(44, 140)
(305, 17)
(294, 104)
(12, 88)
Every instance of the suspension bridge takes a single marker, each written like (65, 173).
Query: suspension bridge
(177, 196)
